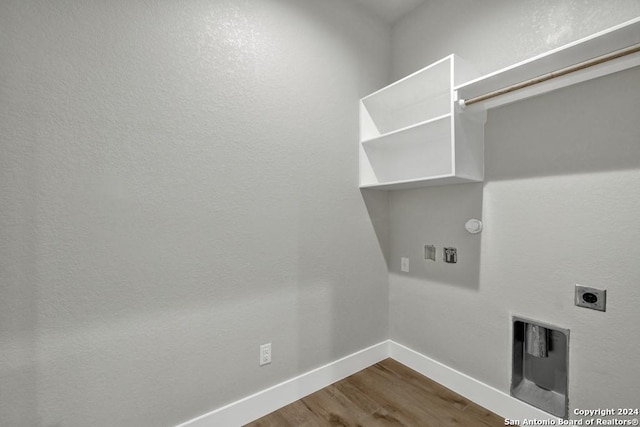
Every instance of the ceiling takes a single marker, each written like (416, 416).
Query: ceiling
(390, 10)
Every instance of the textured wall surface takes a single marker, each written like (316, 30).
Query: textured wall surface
(178, 185)
(493, 34)
(559, 204)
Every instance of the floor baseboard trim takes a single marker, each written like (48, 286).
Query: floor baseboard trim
(266, 401)
(484, 395)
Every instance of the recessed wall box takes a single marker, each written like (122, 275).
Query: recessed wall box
(540, 366)
(430, 252)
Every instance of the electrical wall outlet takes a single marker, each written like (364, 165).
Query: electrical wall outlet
(595, 299)
(265, 354)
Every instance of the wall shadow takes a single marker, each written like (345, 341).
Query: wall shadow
(589, 127)
(377, 203)
(436, 216)
(19, 279)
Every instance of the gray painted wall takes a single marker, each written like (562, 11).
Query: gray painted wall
(178, 185)
(560, 206)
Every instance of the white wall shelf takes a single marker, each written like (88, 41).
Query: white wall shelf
(598, 44)
(412, 134)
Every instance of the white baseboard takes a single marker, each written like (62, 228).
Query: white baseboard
(266, 401)
(484, 395)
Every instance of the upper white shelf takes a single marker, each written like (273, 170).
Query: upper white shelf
(411, 134)
(604, 42)
(410, 100)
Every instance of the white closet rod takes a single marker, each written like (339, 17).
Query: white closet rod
(552, 75)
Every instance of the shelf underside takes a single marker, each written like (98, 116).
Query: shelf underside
(419, 182)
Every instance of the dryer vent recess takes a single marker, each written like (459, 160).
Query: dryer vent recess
(540, 366)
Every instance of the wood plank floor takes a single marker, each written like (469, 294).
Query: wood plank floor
(385, 394)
